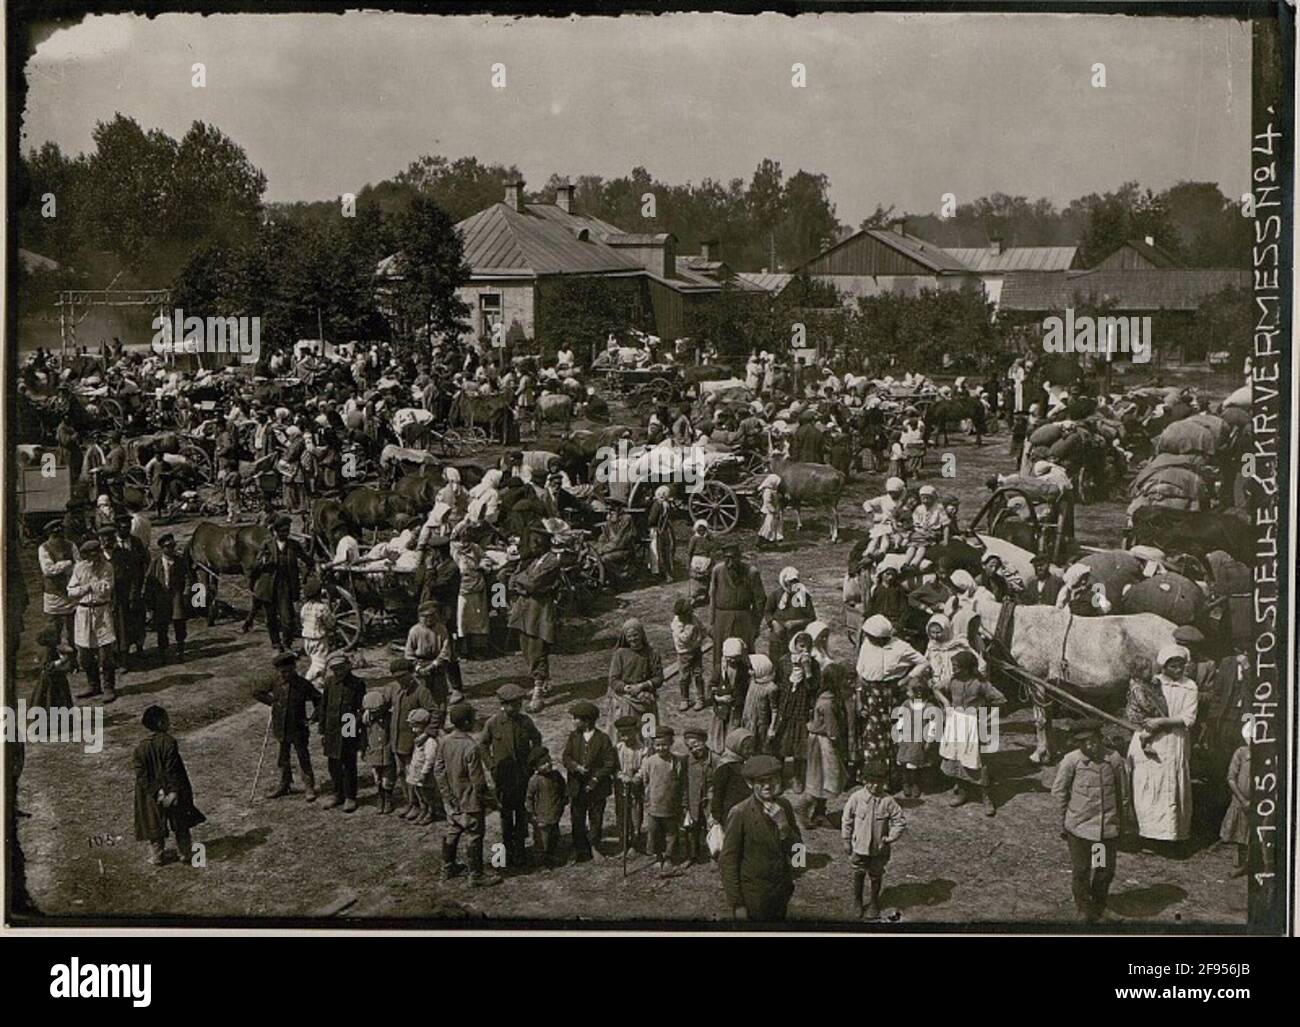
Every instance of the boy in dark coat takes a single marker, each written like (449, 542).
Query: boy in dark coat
(698, 770)
(545, 802)
(508, 738)
(288, 694)
(341, 729)
(590, 761)
(167, 585)
(164, 799)
(759, 845)
(458, 769)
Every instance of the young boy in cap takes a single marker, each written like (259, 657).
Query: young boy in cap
(661, 777)
(1092, 790)
(288, 693)
(429, 648)
(871, 823)
(341, 730)
(545, 801)
(379, 746)
(419, 774)
(317, 623)
(630, 752)
(688, 641)
(404, 695)
(697, 775)
(164, 799)
(590, 761)
(458, 768)
(508, 738)
(757, 859)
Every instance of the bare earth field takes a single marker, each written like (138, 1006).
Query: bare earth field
(288, 859)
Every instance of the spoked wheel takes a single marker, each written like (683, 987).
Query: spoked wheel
(200, 461)
(114, 411)
(135, 477)
(756, 463)
(661, 389)
(348, 628)
(451, 443)
(716, 504)
(474, 435)
(591, 570)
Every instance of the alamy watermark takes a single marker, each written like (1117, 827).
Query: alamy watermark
(1103, 336)
(32, 725)
(629, 464)
(927, 723)
(181, 334)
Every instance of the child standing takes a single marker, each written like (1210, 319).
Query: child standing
(698, 772)
(872, 822)
(52, 691)
(771, 529)
(688, 641)
(661, 778)
(419, 772)
(699, 561)
(317, 623)
(544, 802)
(897, 459)
(231, 483)
(164, 799)
(917, 723)
(1236, 825)
(762, 702)
(379, 747)
(630, 750)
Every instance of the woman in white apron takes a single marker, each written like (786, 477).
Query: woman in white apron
(1160, 753)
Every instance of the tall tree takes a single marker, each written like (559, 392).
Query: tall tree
(432, 266)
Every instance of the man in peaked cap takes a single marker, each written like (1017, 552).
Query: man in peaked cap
(590, 762)
(760, 846)
(287, 693)
(278, 573)
(406, 693)
(90, 586)
(507, 739)
(167, 594)
(339, 715)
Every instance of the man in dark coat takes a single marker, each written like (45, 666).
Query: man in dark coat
(508, 738)
(164, 799)
(130, 559)
(533, 614)
(590, 762)
(167, 585)
(807, 445)
(1044, 587)
(277, 577)
(288, 694)
(736, 603)
(759, 847)
(406, 693)
(339, 715)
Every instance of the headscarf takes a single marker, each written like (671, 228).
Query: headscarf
(700, 527)
(662, 493)
(761, 668)
(962, 581)
(1075, 574)
(796, 597)
(730, 648)
(491, 481)
(1171, 651)
(732, 743)
(878, 626)
(820, 632)
(631, 624)
(451, 476)
(944, 623)
(772, 481)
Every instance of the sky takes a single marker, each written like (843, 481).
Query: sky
(897, 109)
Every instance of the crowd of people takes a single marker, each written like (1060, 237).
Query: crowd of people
(900, 718)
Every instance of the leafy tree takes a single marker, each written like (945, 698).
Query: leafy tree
(432, 266)
(581, 312)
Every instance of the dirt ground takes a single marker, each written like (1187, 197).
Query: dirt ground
(287, 858)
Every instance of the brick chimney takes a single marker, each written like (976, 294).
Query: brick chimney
(995, 246)
(564, 196)
(515, 194)
(709, 249)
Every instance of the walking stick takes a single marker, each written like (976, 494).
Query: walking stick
(625, 827)
(270, 714)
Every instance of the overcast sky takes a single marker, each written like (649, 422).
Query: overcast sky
(897, 109)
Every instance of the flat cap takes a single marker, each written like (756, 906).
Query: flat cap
(1085, 728)
(511, 693)
(399, 665)
(760, 766)
(339, 660)
(1188, 635)
(286, 658)
(695, 732)
(537, 757)
(419, 715)
(628, 720)
(584, 710)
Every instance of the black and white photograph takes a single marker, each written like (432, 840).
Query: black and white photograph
(661, 472)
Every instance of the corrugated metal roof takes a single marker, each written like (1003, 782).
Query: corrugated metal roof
(768, 281)
(536, 241)
(1015, 258)
(1158, 256)
(1149, 289)
(927, 254)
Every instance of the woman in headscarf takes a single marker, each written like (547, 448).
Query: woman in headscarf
(485, 499)
(453, 494)
(1080, 595)
(772, 528)
(888, 598)
(789, 609)
(663, 546)
(883, 663)
(942, 646)
(1165, 707)
(729, 786)
(729, 691)
(828, 751)
(967, 699)
(636, 673)
(104, 515)
(472, 599)
(762, 702)
(699, 561)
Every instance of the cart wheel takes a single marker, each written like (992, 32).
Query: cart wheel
(756, 463)
(717, 504)
(135, 477)
(662, 390)
(475, 436)
(451, 443)
(347, 617)
(113, 411)
(590, 568)
(199, 460)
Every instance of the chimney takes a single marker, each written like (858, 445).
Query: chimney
(709, 249)
(1150, 240)
(900, 226)
(995, 246)
(515, 195)
(564, 196)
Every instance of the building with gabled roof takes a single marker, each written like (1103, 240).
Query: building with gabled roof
(872, 261)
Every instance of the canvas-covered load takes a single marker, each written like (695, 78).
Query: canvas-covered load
(1038, 490)
(1174, 597)
(726, 388)
(1115, 570)
(1199, 434)
(1175, 481)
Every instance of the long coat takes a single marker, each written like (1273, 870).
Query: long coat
(288, 701)
(533, 610)
(340, 739)
(167, 595)
(597, 756)
(756, 864)
(507, 740)
(159, 767)
(277, 574)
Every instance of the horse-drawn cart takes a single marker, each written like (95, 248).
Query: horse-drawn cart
(44, 489)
